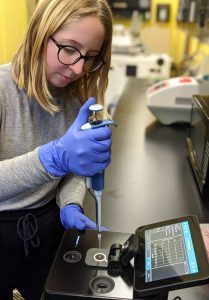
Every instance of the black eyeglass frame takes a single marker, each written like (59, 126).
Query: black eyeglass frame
(60, 47)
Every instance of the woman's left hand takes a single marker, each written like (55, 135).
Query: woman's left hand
(72, 217)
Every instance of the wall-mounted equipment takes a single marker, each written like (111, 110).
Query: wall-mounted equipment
(163, 12)
(191, 11)
(125, 8)
(188, 11)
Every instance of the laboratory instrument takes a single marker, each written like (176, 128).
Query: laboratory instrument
(125, 40)
(141, 66)
(198, 143)
(174, 257)
(96, 182)
(156, 259)
(130, 59)
(170, 100)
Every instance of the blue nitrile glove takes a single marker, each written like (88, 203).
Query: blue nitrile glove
(84, 153)
(72, 217)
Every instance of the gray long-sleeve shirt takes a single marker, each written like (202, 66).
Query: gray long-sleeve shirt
(24, 126)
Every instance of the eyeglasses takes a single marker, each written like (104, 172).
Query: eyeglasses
(69, 55)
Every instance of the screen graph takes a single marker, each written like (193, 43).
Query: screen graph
(169, 252)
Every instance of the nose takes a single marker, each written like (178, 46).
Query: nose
(77, 67)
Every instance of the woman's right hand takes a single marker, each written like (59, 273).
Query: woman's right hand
(83, 153)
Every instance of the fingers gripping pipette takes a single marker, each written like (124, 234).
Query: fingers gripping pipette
(96, 182)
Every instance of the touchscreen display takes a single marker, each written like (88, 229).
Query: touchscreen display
(169, 252)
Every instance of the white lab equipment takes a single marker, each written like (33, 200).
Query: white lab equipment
(125, 40)
(142, 66)
(129, 55)
(171, 100)
(129, 59)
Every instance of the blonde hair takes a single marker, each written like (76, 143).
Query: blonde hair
(29, 63)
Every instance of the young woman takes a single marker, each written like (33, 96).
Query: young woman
(44, 154)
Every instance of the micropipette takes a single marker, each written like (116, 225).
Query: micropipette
(96, 182)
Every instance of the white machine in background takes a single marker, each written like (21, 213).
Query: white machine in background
(142, 66)
(171, 100)
(129, 59)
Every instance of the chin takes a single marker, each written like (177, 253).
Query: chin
(59, 84)
(62, 85)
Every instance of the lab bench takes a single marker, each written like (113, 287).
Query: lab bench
(150, 178)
